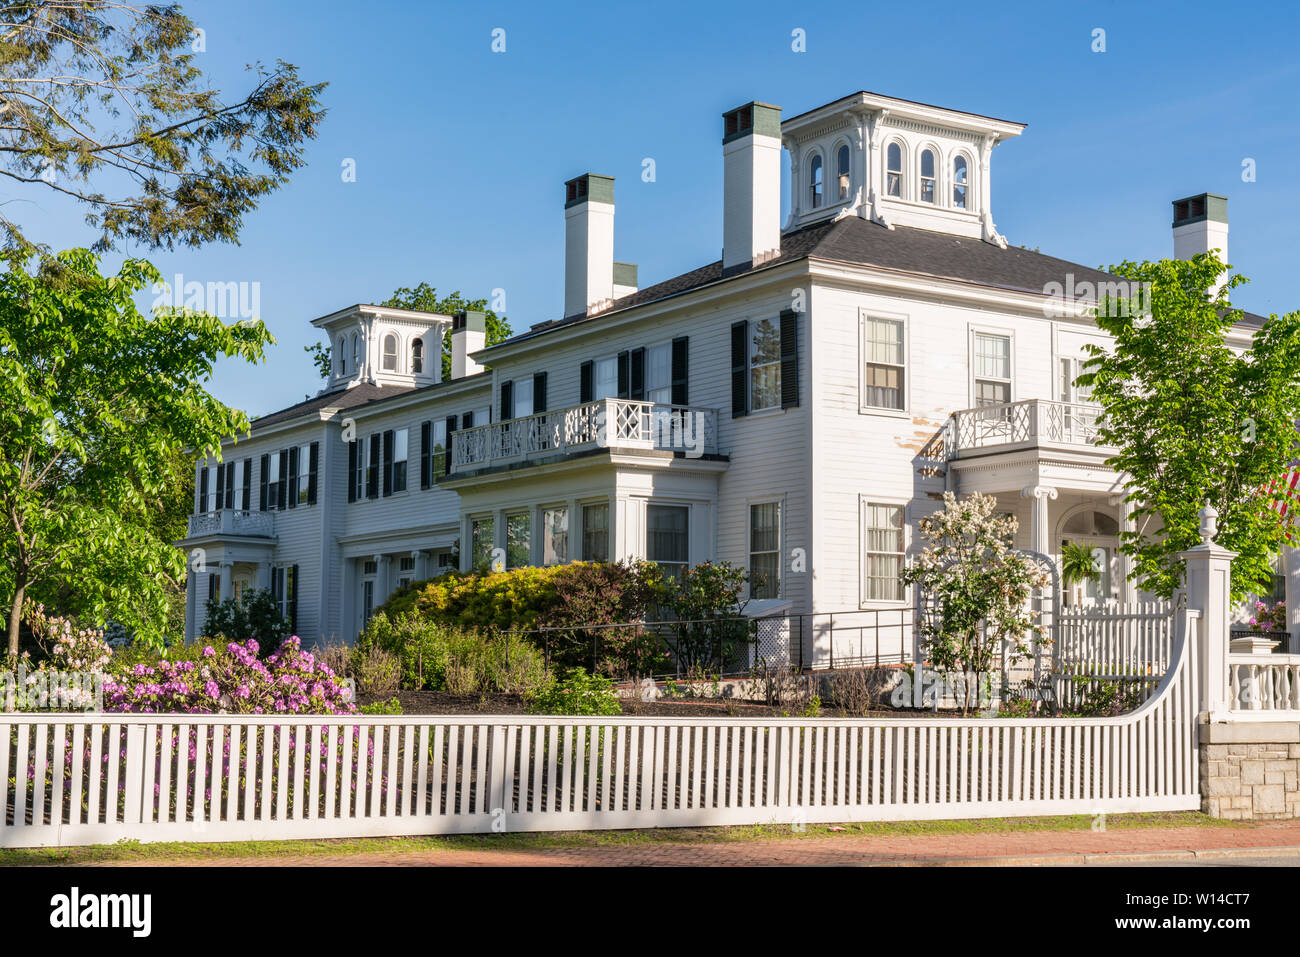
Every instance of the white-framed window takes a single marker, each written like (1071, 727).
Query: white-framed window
(992, 368)
(367, 600)
(405, 571)
(304, 474)
(765, 550)
(884, 359)
(659, 373)
(894, 170)
(667, 537)
(356, 351)
(960, 184)
(595, 532)
(390, 353)
(522, 397)
(482, 537)
(341, 360)
(764, 365)
(239, 498)
(842, 171)
(927, 176)
(284, 591)
(518, 540)
(883, 548)
(816, 175)
(401, 441)
(555, 535)
(213, 502)
(417, 356)
(606, 384)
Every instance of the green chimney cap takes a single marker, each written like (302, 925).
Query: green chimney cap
(762, 119)
(1199, 208)
(592, 186)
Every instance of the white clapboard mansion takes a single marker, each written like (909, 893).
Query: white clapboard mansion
(794, 407)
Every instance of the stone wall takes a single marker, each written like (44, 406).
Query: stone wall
(1249, 771)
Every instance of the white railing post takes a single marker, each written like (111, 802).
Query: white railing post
(1207, 584)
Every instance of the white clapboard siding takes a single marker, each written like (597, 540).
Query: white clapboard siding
(172, 780)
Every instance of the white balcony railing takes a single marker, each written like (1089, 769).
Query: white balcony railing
(1267, 682)
(1030, 422)
(605, 423)
(233, 521)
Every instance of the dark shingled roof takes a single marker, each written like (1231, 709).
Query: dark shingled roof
(338, 399)
(905, 249)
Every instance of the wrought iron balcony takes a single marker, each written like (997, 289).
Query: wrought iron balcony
(233, 521)
(1025, 424)
(605, 423)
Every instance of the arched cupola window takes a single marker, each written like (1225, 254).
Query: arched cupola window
(390, 353)
(341, 355)
(356, 352)
(843, 168)
(815, 174)
(417, 356)
(894, 170)
(927, 176)
(959, 184)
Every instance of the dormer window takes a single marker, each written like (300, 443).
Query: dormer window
(417, 356)
(342, 355)
(843, 164)
(894, 170)
(390, 353)
(959, 182)
(815, 182)
(927, 176)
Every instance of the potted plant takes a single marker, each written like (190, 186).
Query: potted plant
(1079, 565)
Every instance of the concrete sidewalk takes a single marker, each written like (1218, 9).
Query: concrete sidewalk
(1025, 848)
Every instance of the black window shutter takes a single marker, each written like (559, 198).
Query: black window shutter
(293, 477)
(507, 400)
(451, 427)
(637, 377)
(221, 486)
(624, 386)
(203, 489)
(739, 368)
(586, 381)
(681, 370)
(281, 487)
(292, 589)
(313, 465)
(539, 392)
(426, 453)
(266, 468)
(372, 468)
(352, 471)
(388, 462)
(789, 359)
(248, 485)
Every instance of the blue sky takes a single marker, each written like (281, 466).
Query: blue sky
(461, 152)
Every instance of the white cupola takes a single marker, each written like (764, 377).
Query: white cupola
(383, 346)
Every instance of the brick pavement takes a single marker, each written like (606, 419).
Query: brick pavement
(1041, 847)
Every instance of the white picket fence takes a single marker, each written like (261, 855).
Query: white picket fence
(82, 779)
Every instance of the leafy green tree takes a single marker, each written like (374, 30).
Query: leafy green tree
(98, 405)
(424, 298)
(1195, 421)
(101, 101)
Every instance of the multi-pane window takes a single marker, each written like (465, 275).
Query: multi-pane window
(606, 384)
(518, 540)
(815, 174)
(765, 550)
(482, 539)
(273, 480)
(555, 536)
(417, 356)
(284, 591)
(367, 600)
(406, 571)
(667, 538)
(843, 164)
(882, 558)
(992, 369)
(595, 533)
(390, 353)
(959, 184)
(894, 170)
(764, 366)
(356, 352)
(304, 474)
(927, 176)
(400, 441)
(659, 374)
(341, 352)
(523, 399)
(883, 372)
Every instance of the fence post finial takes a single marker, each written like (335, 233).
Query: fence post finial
(1209, 523)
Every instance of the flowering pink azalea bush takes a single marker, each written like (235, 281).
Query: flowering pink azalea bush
(1269, 618)
(232, 681)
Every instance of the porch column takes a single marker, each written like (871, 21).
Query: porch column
(421, 559)
(382, 587)
(226, 568)
(1127, 589)
(1039, 529)
(264, 575)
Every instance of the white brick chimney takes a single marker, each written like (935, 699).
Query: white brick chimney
(468, 335)
(751, 184)
(1201, 224)
(588, 243)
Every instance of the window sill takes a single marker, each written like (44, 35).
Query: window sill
(764, 413)
(885, 413)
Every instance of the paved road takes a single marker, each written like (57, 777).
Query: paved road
(1270, 844)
